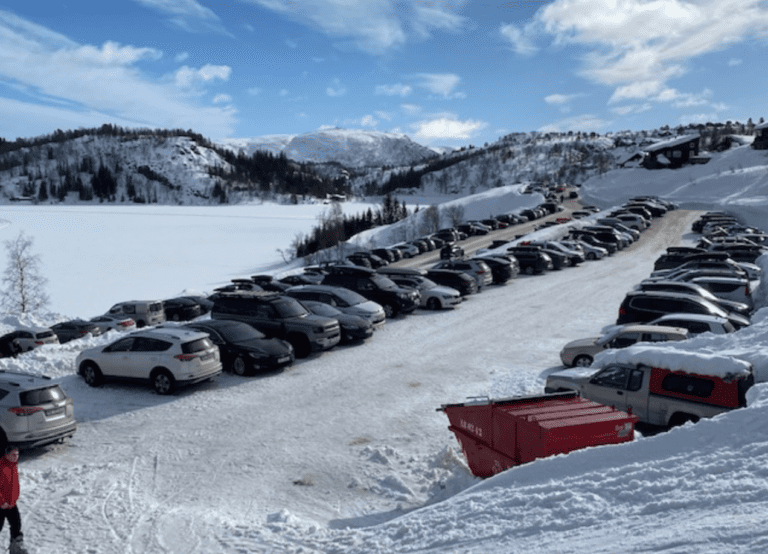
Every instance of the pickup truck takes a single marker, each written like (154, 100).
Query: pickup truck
(661, 387)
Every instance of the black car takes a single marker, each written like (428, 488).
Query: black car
(205, 304)
(532, 260)
(75, 329)
(465, 284)
(353, 328)
(269, 283)
(451, 250)
(373, 286)
(388, 254)
(674, 256)
(503, 268)
(181, 309)
(244, 350)
(367, 259)
(9, 347)
(642, 307)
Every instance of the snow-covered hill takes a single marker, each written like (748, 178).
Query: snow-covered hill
(349, 147)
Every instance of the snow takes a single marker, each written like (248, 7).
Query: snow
(345, 451)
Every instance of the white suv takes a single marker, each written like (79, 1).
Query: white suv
(29, 338)
(166, 358)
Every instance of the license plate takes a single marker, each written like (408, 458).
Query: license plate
(206, 357)
(283, 359)
(54, 411)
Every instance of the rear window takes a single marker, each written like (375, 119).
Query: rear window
(42, 396)
(195, 346)
(156, 307)
(685, 384)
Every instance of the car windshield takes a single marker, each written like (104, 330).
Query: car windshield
(426, 283)
(289, 307)
(346, 297)
(240, 333)
(41, 396)
(383, 282)
(199, 345)
(324, 309)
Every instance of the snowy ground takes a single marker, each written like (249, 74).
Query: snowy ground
(345, 451)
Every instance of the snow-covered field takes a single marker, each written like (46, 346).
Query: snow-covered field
(345, 452)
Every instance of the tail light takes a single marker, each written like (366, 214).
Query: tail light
(39, 342)
(185, 357)
(22, 411)
(126, 323)
(622, 311)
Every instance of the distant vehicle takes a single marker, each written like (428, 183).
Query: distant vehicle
(353, 328)
(451, 250)
(581, 352)
(181, 309)
(642, 307)
(75, 329)
(465, 284)
(476, 268)
(395, 300)
(696, 323)
(34, 411)
(166, 358)
(143, 312)
(343, 299)
(29, 338)
(109, 322)
(433, 296)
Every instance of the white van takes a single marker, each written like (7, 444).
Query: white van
(143, 312)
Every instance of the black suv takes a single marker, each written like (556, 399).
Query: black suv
(278, 316)
(532, 259)
(465, 284)
(451, 250)
(645, 306)
(395, 300)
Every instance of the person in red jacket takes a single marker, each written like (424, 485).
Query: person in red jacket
(9, 494)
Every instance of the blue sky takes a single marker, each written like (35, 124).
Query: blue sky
(444, 72)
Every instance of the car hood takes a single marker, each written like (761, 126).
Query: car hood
(365, 308)
(272, 347)
(444, 291)
(581, 343)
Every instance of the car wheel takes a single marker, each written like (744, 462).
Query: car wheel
(301, 345)
(163, 382)
(91, 374)
(433, 304)
(591, 255)
(583, 361)
(529, 270)
(389, 310)
(140, 324)
(407, 255)
(238, 366)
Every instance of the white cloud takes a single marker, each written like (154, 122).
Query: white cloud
(386, 116)
(638, 45)
(189, 78)
(440, 83)
(586, 122)
(394, 90)
(336, 89)
(447, 126)
(520, 39)
(284, 92)
(291, 43)
(254, 91)
(88, 79)
(222, 99)
(631, 109)
(373, 26)
(411, 109)
(189, 15)
(181, 56)
(560, 99)
(733, 62)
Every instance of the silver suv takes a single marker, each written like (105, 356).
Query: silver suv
(166, 358)
(29, 338)
(34, 411)
(143, 312)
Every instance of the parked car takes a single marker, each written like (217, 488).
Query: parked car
(299, 279)
(395, 300)
(465, 284)
(733, 289)
(239, 284)
(343, 299)
(696, 323)
(143, 312)
(166, 358)
(109, 322)
(690, 287)
(433, 296)
(476, 268)
(75, 329)
(590, 252)
(532, 260)
(451, 250)
(558, 257)
(642, 307)
(34, 411)
(741, 269)
(181, 309)
(280, 317)
(267, 283)
(581, 352)
(367, 259)
(593, 240)
(675, 256)
(407, 250)
(29, 338)
(663, 393)
(243, 349)
(9, 347)
(353, 328)
(503, 268)
(388, 254)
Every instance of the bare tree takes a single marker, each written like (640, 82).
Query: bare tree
(455, 214)
(430, 221)
(24, 285)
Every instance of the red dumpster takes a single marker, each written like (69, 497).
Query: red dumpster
(498, 434)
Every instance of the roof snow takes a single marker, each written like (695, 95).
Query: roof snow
(669, 143)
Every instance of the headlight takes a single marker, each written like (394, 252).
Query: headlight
(256, 354)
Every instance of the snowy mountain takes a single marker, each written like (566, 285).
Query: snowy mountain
(348, 147)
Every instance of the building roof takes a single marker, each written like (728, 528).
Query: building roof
(672, 142)
(762, 125)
